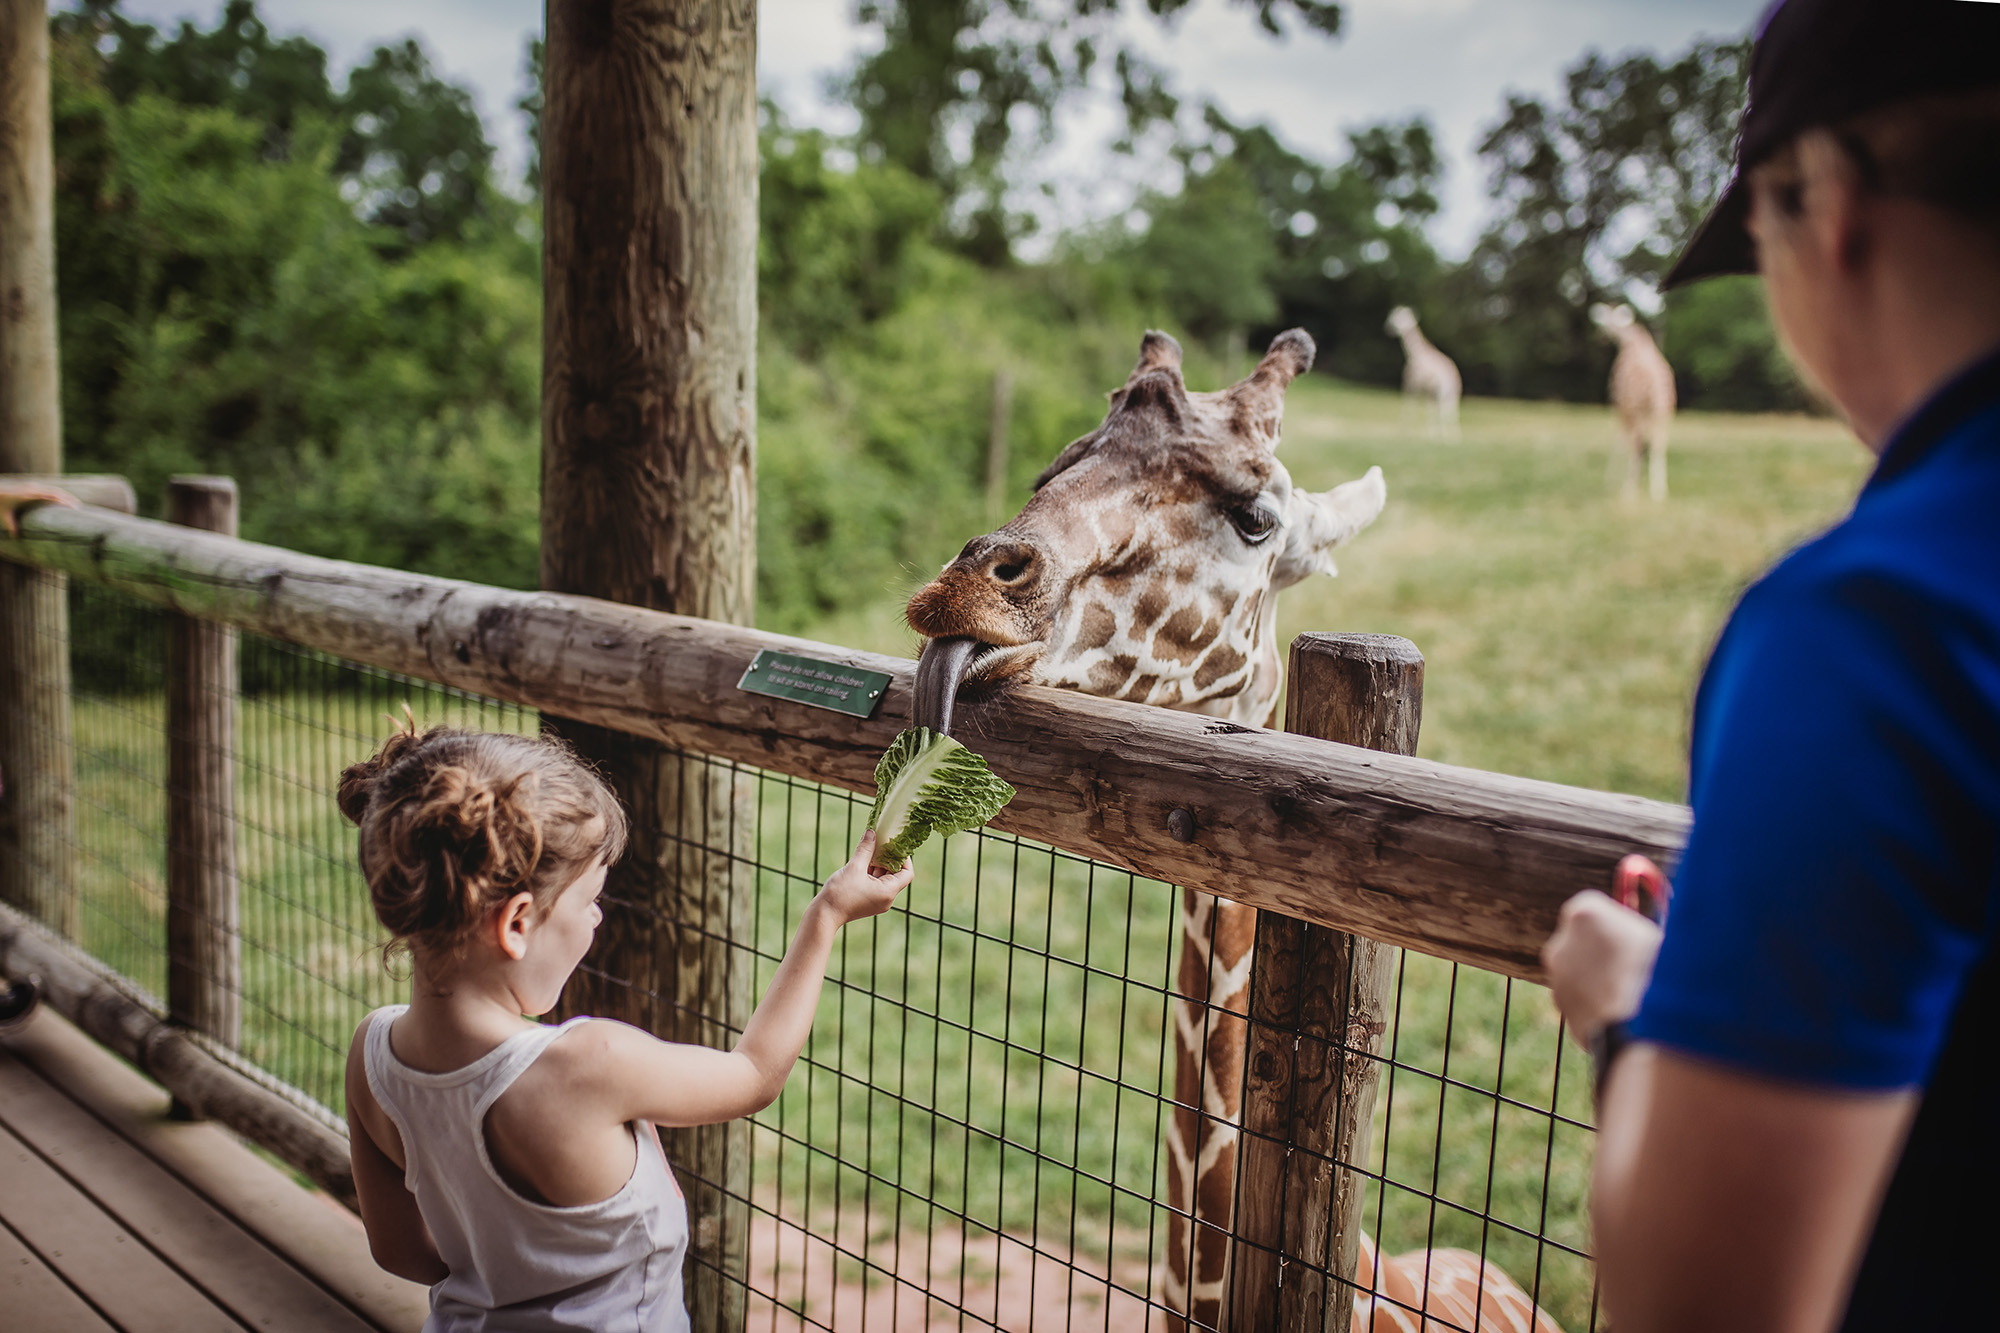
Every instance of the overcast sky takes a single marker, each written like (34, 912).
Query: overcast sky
(1452, 60)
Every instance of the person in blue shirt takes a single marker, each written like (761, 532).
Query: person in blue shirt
(1803, 1129)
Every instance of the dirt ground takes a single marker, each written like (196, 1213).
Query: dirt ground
(976, 1282)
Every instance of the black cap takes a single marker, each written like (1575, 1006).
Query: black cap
(1817, 62)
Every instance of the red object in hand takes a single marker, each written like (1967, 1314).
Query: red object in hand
(1641, 886)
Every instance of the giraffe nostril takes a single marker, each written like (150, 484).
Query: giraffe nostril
(1009, 573)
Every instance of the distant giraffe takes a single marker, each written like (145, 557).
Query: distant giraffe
(1146, 567)
(1642, 389)
(1429, 375)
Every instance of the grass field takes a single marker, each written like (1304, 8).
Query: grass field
(995, 1050)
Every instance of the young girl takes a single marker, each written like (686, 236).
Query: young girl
(512, 1166)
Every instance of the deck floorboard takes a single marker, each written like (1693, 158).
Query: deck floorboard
(113, 1217)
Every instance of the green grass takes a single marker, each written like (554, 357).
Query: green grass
(996, 1048)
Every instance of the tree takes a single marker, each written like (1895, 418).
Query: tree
(945, 94)
(1595, 194)
(1261, 237)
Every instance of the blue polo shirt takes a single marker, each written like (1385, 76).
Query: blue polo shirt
(1834, 913)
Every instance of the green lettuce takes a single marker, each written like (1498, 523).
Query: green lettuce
(929, 784)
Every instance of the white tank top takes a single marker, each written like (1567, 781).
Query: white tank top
(518, 1265)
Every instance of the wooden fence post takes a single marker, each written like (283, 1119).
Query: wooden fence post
(1318, 1005)
(37, 833)
(204, 937)
(649, 392)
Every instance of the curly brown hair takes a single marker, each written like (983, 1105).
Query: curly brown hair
(454, 823)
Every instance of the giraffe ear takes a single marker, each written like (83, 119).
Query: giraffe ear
(1259, 398)
(1326, 519)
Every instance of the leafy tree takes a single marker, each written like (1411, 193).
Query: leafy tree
(1261, 237)
(225, 308)
(943, 96)
(1595, 193)
(414, 145)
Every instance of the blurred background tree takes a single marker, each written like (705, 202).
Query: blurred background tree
(328, 292)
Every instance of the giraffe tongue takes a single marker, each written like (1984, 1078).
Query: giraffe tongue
(939, 671)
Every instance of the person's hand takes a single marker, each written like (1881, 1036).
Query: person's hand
(16, 494)
(853, 891)
(1599, 961)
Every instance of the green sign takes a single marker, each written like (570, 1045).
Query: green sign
(808, 680)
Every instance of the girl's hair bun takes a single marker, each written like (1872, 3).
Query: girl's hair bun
(358, 782)
(454, 823)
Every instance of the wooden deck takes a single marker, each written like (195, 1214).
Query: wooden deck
(112, 1216)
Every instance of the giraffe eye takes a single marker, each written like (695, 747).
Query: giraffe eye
(1255, 521)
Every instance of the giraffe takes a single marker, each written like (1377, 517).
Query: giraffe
(1145, 567)
(1428, 374)
(1642, 389)
(1431, 1291)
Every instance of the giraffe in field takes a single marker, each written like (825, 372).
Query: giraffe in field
(1429, 376)
(1146, 567)
(1642, 390)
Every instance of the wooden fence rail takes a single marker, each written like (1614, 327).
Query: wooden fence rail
(1456, 862)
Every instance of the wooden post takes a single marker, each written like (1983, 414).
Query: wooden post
(204, 939)
(996, 444)
(649, 390)
(1318, 1001)
(37, 832)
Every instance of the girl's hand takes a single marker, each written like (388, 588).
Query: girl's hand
(854, 892)
(1599, 961)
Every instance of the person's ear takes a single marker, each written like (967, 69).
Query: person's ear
(513, 923)
(1836, 199)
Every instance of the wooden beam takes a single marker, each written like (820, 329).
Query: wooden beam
(91, 488)
(1456, 862)
(1319, 1003)
(649, 390)
(204, 926)
(96, 1000)
(36, 817)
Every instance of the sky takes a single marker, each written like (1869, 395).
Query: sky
(1451, 60)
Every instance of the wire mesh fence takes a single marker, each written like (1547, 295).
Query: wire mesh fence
(974, 1136)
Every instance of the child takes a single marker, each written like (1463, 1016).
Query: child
(509, 1165)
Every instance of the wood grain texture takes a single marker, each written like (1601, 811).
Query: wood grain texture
(1455, 862)
(316, 1235)
(1319, 1006)
(649, 390)
(206, 1246)
(36, 818)
(204, 927)
(92, 488)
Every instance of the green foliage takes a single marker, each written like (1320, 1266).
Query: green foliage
(836, 249)
(1719, 338)
(926, 786)
(371, 381)
(1595, 194)
(943, 95)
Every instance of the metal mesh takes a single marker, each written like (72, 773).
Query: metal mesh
(973, 1138)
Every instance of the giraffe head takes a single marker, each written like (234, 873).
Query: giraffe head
(1401, 323)
(1146, 564)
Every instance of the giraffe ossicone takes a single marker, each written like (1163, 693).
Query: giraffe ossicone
(1146, 567)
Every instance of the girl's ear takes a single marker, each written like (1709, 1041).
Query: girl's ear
(512, 924)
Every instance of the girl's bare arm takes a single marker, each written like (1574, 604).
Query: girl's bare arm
(638, 1077)
(397, 1236)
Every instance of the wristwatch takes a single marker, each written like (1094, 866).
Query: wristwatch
(1605, 1044)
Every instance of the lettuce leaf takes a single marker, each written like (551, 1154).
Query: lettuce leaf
(929, 784)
